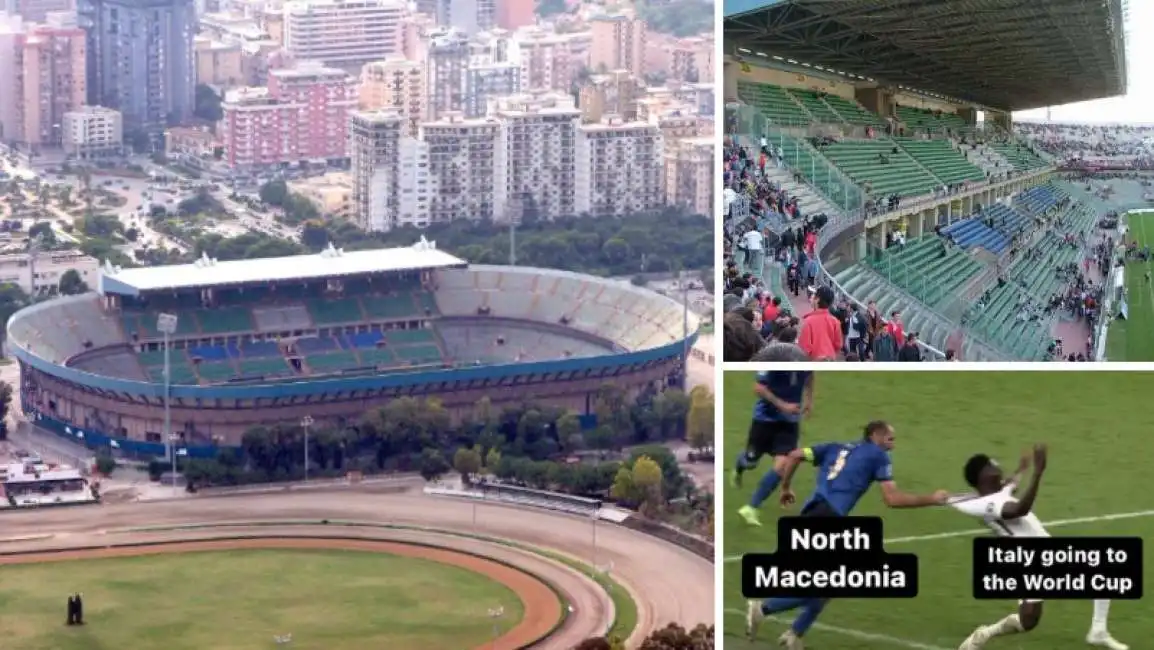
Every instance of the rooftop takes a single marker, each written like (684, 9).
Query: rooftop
(331, 262)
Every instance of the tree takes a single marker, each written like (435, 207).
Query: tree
(492, 459)
(207, 104)
(314, 235)
(623, 489)
(132, 234)
(646, 478)
(569, 432)
(105, 464)
(671, 637)
(433, 465)
(5, 404)
(467, 461)
(44, 231)
(699, 425)
(274, 193)
(71, 284)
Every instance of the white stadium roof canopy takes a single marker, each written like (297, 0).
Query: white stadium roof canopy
(331, 262)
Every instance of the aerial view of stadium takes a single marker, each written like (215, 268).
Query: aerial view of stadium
(216, 376)
(881, 203)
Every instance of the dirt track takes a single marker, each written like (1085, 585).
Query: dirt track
(667, 583)
(542, 609)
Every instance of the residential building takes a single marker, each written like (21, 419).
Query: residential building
(619, 167)
(140, 60)
(344, 33)
(535, 165)
(462, 153)
(330, 194)
(301, 116)
(395, 84)
(689, 175)
(48, 74)
(390, 172)
(618, 44)
(40, 273)
(36, 11)
(551, 61)
(467, 16)
(93, 132)
(611, 94)
(515, 14)
(198, 142)
(692, 60)
(447, 71)
(485, 81)
(218, 63)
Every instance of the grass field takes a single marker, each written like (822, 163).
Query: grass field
(1099, 432)
(1133, 339)
(239, 600)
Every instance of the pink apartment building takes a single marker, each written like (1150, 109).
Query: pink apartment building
(42, 72)
(301, 116)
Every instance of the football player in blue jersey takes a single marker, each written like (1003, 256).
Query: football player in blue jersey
(784, 397)
(845, 472)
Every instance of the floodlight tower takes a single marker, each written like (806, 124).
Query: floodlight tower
(306, 422)
(166, 325)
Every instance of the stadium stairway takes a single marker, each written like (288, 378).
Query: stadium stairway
(985, 158)
(942, 160)
(861, 161)
(1018, 155)
(810, 201)
(928, 269)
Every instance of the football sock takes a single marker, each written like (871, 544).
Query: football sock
(1101, 615)
(1005, 627)
(771, 606)
(808, 616)
(765, 487)
(743, 462)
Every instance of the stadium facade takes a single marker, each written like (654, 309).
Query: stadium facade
(895, 117)
(329, 336)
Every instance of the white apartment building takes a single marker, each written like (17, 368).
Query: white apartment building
(551, 61)
(344, 33)
(390, 172)
(446, 73)
(484, 82)
(536, 156)
(93, 132)
(41, 273)
(689, 173)
(461, 156)
(620, 167)
(395, 84)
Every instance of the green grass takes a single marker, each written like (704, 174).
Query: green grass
(239, 600)
(1133, 339)
(1099, 433)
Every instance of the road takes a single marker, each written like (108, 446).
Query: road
(668, 583)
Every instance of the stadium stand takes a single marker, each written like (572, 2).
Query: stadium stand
(954, 219)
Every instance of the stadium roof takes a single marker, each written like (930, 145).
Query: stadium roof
(331, 262)
(1002, 54)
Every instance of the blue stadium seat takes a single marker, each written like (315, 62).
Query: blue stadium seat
(972, 232)
(209, 352)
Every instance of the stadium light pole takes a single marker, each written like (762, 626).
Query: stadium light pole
(306, 422)
(166, 325)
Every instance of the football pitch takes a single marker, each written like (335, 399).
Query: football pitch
(1099, 434)
(1133, 339)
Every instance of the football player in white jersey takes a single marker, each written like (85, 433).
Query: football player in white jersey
(1010, 516)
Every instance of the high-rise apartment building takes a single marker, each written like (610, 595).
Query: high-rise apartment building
(620, 167)
(42, 67)
(398, 85)
(93, 132)
(488, 80)
(467, 16)
(689, 176)
(551, 61)
(515, 14)
(390, 171)
(344, 33)
(301, 116)
(692, 60)
(447, 72)
(613, 94)
(36, 11)
(535, 166)
(140, 59)
(462, 153)
(618, 44)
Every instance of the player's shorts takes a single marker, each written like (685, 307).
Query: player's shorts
(772, 438)
(819, 508)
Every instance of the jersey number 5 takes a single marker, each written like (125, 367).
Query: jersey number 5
(838, 465)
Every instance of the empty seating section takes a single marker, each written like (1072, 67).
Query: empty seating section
(510, 343)
(853, 112)
(1037, 200)
(419, 354)
(281, 319)
(378, 357)
(1005, 219)
(773, 102)
(225, 320)
(1018, 155)
(144, 323)
(209, 353)
(406, 337)
(217, 371)
(968, 233)
(861, 161)
(331, 311)
(251, 349)
(391, 307)
(427, 302)
(363, 339)
(916, 118)
(315, 344)
(940, 157)
(332, 361)
(268, 367)
(815, 105)
(928, 269)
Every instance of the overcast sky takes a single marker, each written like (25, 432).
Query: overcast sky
(1138, 104)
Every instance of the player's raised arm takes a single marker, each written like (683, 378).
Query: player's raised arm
(1023, 506)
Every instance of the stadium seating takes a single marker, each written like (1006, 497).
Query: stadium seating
(969, 233)
(267, 367)
(362, 340)
(225, 320)
(1037, 200)
(332, 361)
(252, 349)
(281, 319)
(773, 102)
(860, 160)
(334, 311)
(929, 270)
(1018, 155)
(943, 161)
(853, 112)
(816, 106)
(390, 307)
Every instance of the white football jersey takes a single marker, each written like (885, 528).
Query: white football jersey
(989, 509)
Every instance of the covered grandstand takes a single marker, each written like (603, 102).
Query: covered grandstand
(893, 118)
(329, 336)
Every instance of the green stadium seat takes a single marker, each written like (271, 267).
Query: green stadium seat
(940, 157)
(816, 106)
(853, 112)
(377, 357)
(1019, 156)
(922, 270)
(336, 310)
(216, 372)
(419, 354)
(390, 307)
(332, 361)
(427, 302)
(224, 320)
(774, 103)
(860, 160)
(269, 367)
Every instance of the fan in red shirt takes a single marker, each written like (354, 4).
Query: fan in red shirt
(821, 335)
(895, 328)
